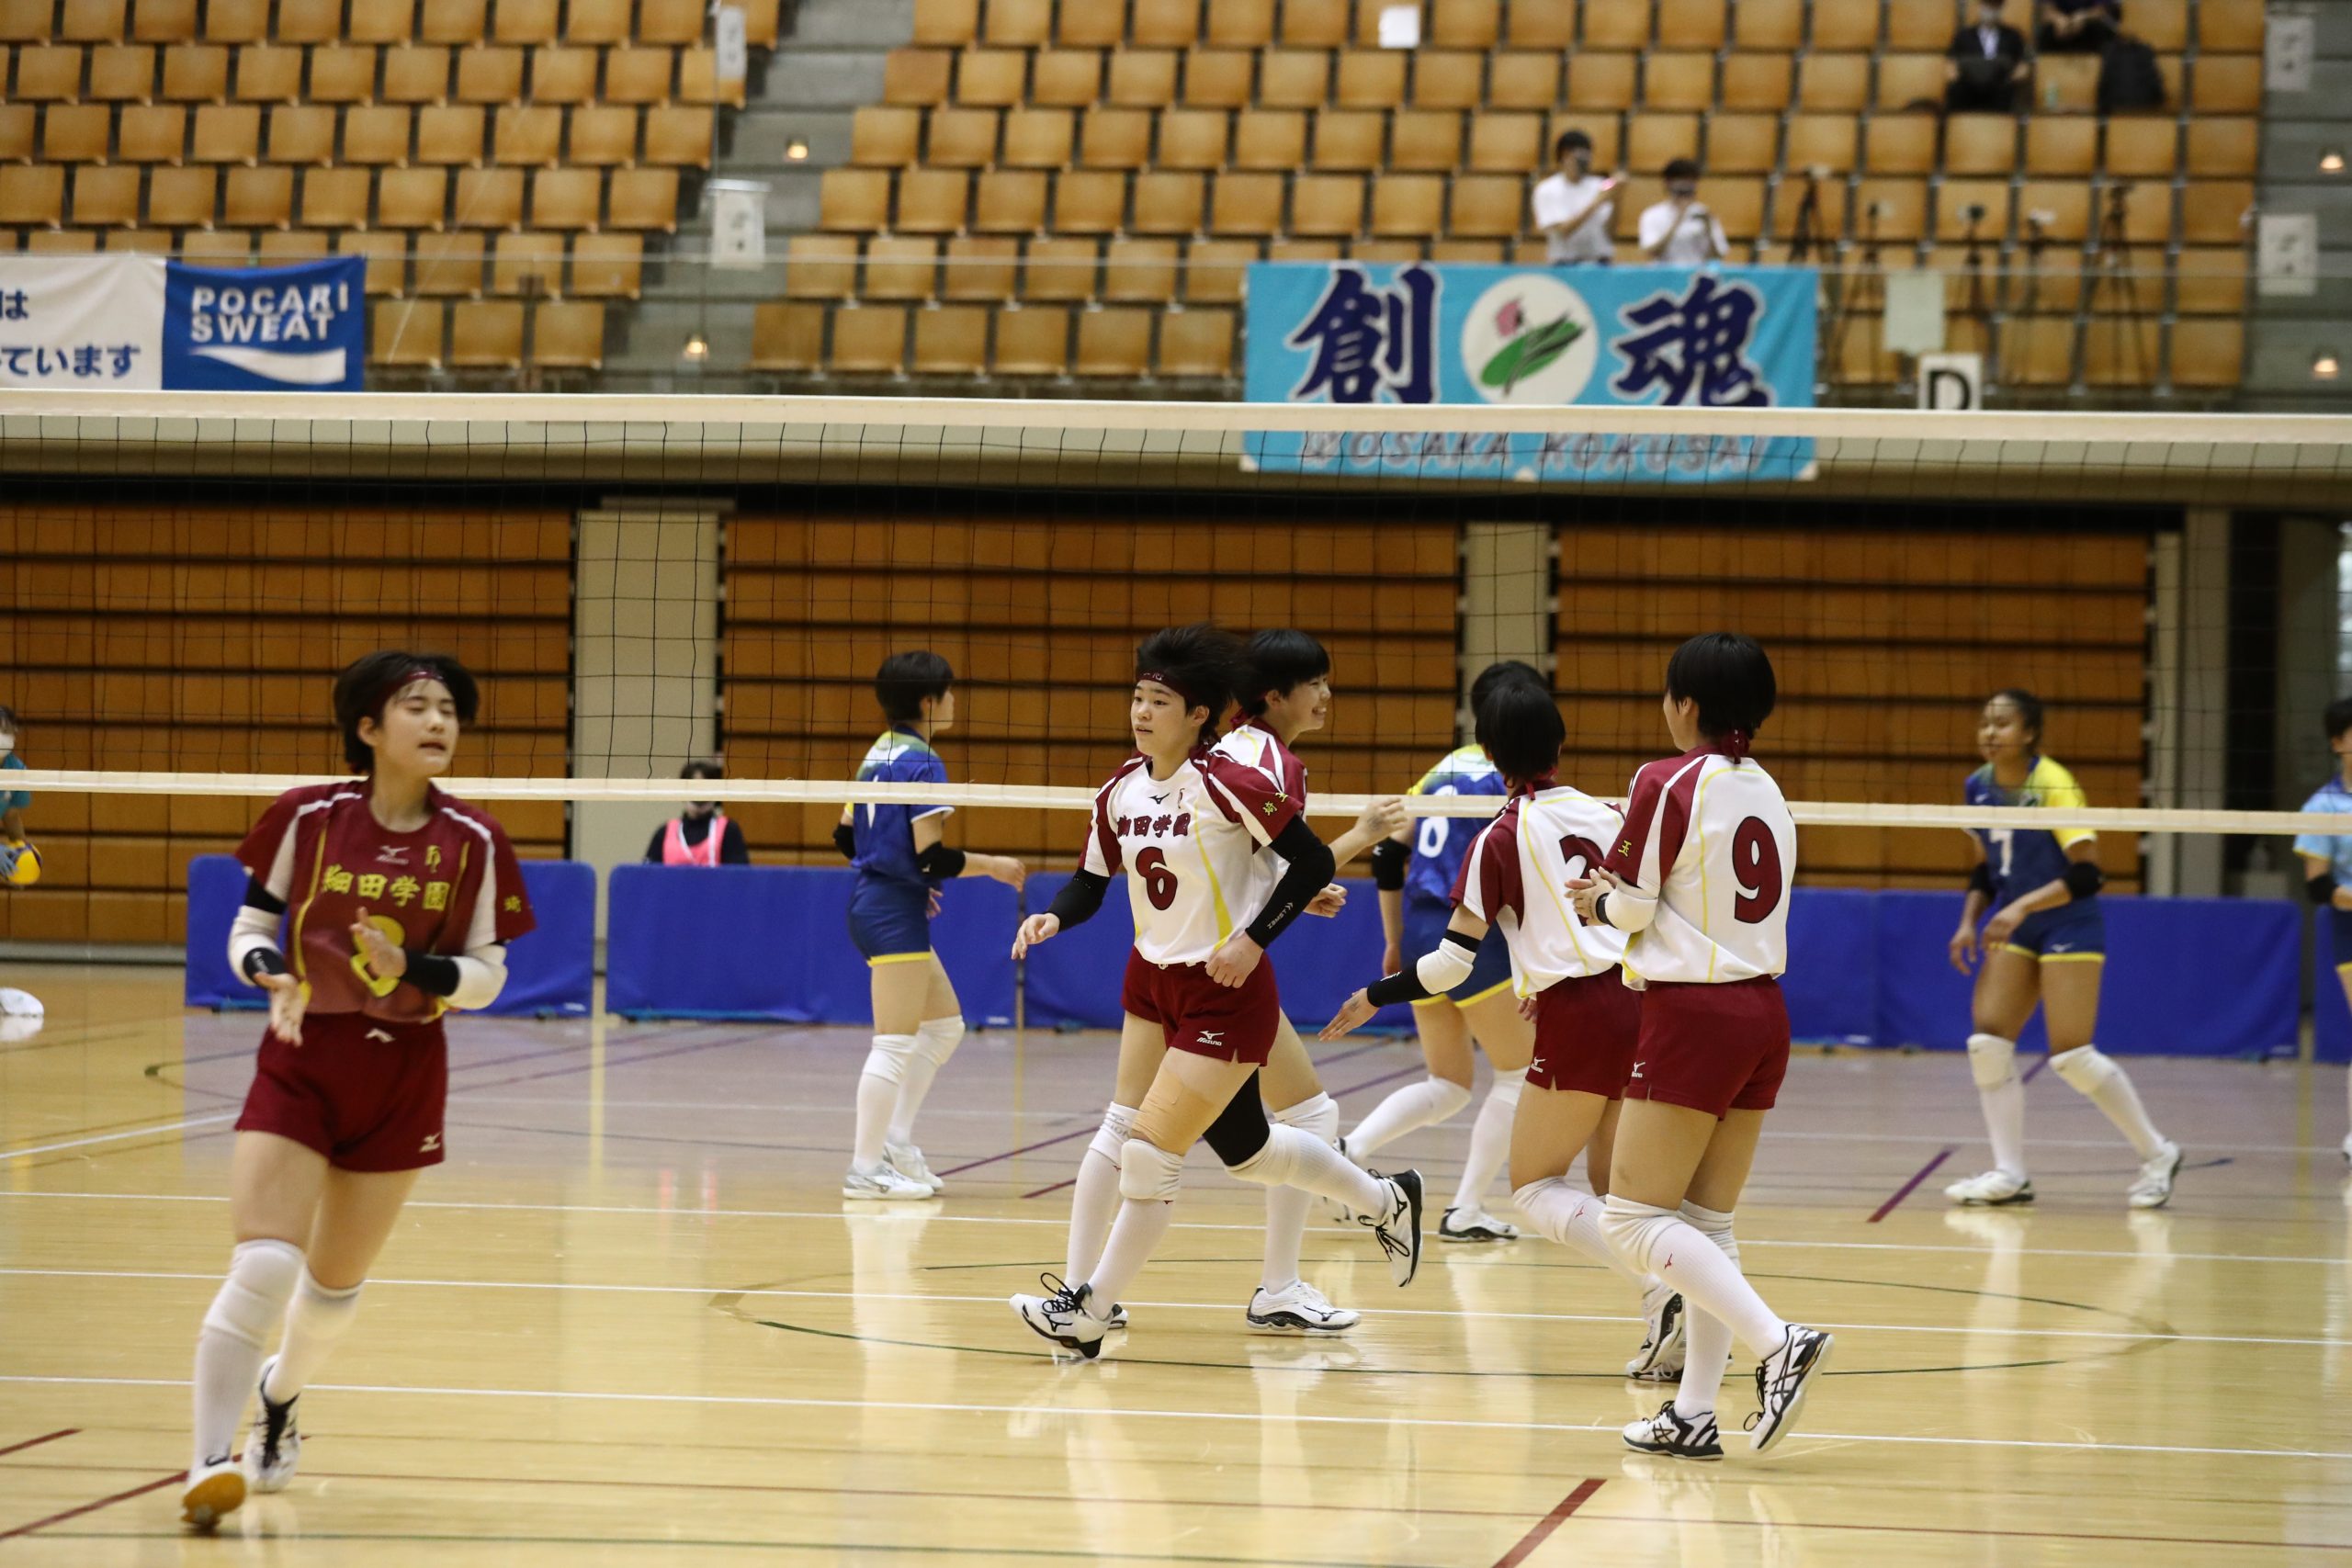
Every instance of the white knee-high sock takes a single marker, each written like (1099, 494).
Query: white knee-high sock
(1135, 1234)
(1707, 1342)
(1662, 1241)
(1415, 1105)
(1319, 1118)
(317, 1320)
(878, 1096)
(1992, 1061)
(1294, 1159)
(1571, 1216)
(262, 1276)
(1489, 1139)
(2102, 1079)
(936, 1041)
(1095, 1199)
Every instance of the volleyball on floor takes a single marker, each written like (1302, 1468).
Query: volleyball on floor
(27, 869)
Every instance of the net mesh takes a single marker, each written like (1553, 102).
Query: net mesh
(639, 582)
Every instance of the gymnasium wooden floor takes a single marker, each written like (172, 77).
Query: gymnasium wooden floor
(630, 1322)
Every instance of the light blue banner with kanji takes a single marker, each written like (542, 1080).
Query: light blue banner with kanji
(1357, 332)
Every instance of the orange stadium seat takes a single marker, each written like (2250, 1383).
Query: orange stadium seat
(258, 198)
(490, 76)
(1032, 342)
(105, 198)
(787, 337)
(1066, 78)
(157, 133)
(607, 265)
(1140, 272)
(77, 133)
(1115, 139)
(1059, 270)
(980, 267)
(952, 339)
(568, 335)
(1037, 139)
(951, 23)
(486, 335)
(1113, 341)
(1249, 24)
(1294, 79)
(1192, 138)
(124, 73)
(820, 266)
(1165, 24)
(526, 264)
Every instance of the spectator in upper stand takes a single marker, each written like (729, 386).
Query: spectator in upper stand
(701, 835)
(1678, 231)
(2080, 27)
(1987, 64)
(1574, 207)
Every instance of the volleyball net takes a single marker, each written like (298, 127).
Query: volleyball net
(641, 581)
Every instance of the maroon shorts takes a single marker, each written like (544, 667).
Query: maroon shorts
(365, 1093)
(1713, 1048)
(1233, 1023)
(1585, 1030)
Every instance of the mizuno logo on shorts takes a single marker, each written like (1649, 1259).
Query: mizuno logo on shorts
(1212, 1036)
(1637, 1070)
(432, 1142)
(2062, 947)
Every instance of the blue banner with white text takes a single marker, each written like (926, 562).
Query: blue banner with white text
(1362, 332)
(301, 328)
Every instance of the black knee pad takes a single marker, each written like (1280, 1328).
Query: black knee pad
(1239, 1132)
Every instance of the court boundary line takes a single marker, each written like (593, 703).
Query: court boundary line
(891, 1212)
(36, 1442)
(773, 1293)
(124, 1496)
(1911, 1186)
(942, 1408)
(1526, 1545)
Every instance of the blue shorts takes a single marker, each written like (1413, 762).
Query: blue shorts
(1425, 923)
(2339, 928)
(2072, 934)
(890, 922)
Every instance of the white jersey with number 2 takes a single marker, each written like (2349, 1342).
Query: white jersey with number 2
(1515, 878)
(1710, 839)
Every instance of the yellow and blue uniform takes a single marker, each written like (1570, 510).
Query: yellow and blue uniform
(2336, 850)
(2021, 859)
(1439, 844)
(889, 917)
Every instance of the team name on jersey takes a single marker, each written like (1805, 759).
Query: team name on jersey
(1178, 826)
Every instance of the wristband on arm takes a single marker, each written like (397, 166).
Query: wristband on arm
(939, 864)
(845, 841)
(1980, 879)
(2321, 890)
(1388, 858)
(2084, 880)
(1307, 871)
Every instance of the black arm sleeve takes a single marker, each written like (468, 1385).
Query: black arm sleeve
(1980, 880)
(732, 850)
(262, 899)
(939, 863)
(653, 845)
(435, 974)
(845, 841)
(1404, 985)
(2084, 879)
(1308, 871)
(1080, 896)
(2321, 890)
(1388, 858)
(263, 961)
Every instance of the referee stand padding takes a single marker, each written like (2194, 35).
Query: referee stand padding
(550, 973)
(757, 941)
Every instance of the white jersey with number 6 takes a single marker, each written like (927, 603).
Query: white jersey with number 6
(1710, 839)
(1516, 879)
(1190, 845)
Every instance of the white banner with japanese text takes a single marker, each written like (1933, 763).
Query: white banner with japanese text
(82, 321)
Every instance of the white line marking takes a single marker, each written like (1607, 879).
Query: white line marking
(181, 1126)
(2144, 1337)
(852, 1211)
(1260, 1417)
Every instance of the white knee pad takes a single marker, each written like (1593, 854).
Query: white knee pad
(2087, 1069)
(1714, 1224)
(262, 1277)
(1112, 1136)
(1505, 1088)
(1149, 1174)
(1275, 1164)
(1446, 1098)
(1317, 1116)
(1992, 1059)
(1633, 1229)
(1532, 1193)
(888, 1060)
(936, 1039)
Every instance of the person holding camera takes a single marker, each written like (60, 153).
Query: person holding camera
(1679, 231)
(1574, 207)
(1984, 66)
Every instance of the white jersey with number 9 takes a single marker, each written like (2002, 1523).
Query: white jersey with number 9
(1711, 838)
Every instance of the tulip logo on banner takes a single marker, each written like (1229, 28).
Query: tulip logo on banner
(247, 329)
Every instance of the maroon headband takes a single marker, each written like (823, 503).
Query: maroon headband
(394, 686)
(1191, 699)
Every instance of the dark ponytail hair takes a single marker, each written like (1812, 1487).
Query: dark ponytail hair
(1730, 677)
(1204, 663)
(1519, 726)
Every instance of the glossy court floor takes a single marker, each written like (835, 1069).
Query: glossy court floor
(632, 1322)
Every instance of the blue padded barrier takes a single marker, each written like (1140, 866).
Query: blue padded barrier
(773, 943)
(1074, 979)
(2185, 976)
(1831, 988)
(550, 972)
(2330, 1019)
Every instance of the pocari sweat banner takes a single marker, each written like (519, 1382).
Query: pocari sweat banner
(262, 329)
(1637, 337)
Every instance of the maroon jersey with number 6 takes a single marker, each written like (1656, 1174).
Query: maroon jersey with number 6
(445, 888)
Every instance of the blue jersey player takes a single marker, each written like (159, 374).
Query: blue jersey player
(2047, 943)
(896, 850)
(1415, 873)
(2327, 859)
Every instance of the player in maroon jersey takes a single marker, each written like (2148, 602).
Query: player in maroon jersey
(397, 903)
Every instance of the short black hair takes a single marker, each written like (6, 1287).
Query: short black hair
(1682, 169)
(1562, 143)
(1730, 678)
(2338, 717)
(369, 682)
(7, 719)
(1205, 662)
(1282, 659)
(703, 768)
(1497, 673)
(1521, 727)
(2028, 707)
(905, 678)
